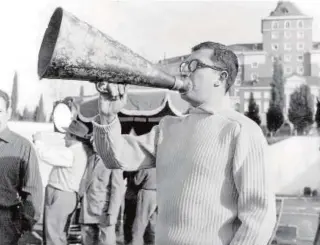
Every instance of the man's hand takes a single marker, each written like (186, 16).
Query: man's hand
(111, 102)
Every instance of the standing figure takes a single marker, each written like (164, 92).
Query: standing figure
(143, 229)
(69, 163)
(21, 190)
(101, 193)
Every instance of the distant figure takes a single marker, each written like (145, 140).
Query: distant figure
(21, 188)
(101, 193)
(69, 163)
(130, 206)
(143, 229)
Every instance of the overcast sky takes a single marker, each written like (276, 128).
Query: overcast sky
(153, 29)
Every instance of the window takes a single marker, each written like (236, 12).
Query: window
(287, 34)
(254, 76)
(287, 57)
(287, 24)
(265, 106)
(300, 34)
(300, 70)
(266, 95)
(257, 95)
(300, 46)
(287, 46)
(275, 35)
(254, 65)
(300, 24)
(275, 46)
(288, 70)
(300, 58)
(246, 95)
(275, 25)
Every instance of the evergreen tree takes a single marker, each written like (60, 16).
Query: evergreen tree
(317, 116)
(274, 115)
(14, 98)
(278, 84)
(27, 115)
(301, 109)
(82, 91)
(253, 110)
(40, 114)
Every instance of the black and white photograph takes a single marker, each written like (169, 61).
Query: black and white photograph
(170, 122)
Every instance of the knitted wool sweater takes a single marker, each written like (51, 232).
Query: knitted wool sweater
(213, 186)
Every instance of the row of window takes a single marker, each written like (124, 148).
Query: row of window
(287, 34)
(288, 58)
(288, 70)
(287, 24)
(287, 46)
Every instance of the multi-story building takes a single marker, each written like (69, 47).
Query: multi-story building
(287, 37)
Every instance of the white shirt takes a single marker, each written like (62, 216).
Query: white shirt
(68, 163)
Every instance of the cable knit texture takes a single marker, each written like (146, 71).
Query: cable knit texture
(213, 186)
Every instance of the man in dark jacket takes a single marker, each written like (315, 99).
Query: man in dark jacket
(20, 181)
(101, 192)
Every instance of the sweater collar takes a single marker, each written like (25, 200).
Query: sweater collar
(212, 108)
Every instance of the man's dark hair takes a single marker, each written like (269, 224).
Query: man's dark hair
(6, 98)
(222, 57)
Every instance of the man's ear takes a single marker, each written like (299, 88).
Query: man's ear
(222, 79)
(223, 76)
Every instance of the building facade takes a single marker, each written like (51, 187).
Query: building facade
(286, 37)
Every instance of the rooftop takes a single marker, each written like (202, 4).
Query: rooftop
(286, 8)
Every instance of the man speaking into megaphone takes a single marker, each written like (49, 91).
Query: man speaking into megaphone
(212, 180)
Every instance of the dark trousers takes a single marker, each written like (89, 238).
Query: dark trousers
(10, 229)
(146, 213)
(129, 215)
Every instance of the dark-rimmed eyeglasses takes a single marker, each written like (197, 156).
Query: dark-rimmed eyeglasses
(193, 65)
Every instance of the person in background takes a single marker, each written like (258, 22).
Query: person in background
(214, 184)
(130, 206)
(68, 165)
(101, 193)
(143, 229)
(21, 190)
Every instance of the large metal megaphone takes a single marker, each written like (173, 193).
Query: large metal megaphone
(72, 49)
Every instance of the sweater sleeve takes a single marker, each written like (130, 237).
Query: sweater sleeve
(256, 200)
(126, 152)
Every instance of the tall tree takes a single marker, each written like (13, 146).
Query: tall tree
(14, 97)
(278, 83)
(82, 91)
(28, 115)
(253, 110)
(301, 108)
(317, 116)
(274, 115)
(40, 114)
